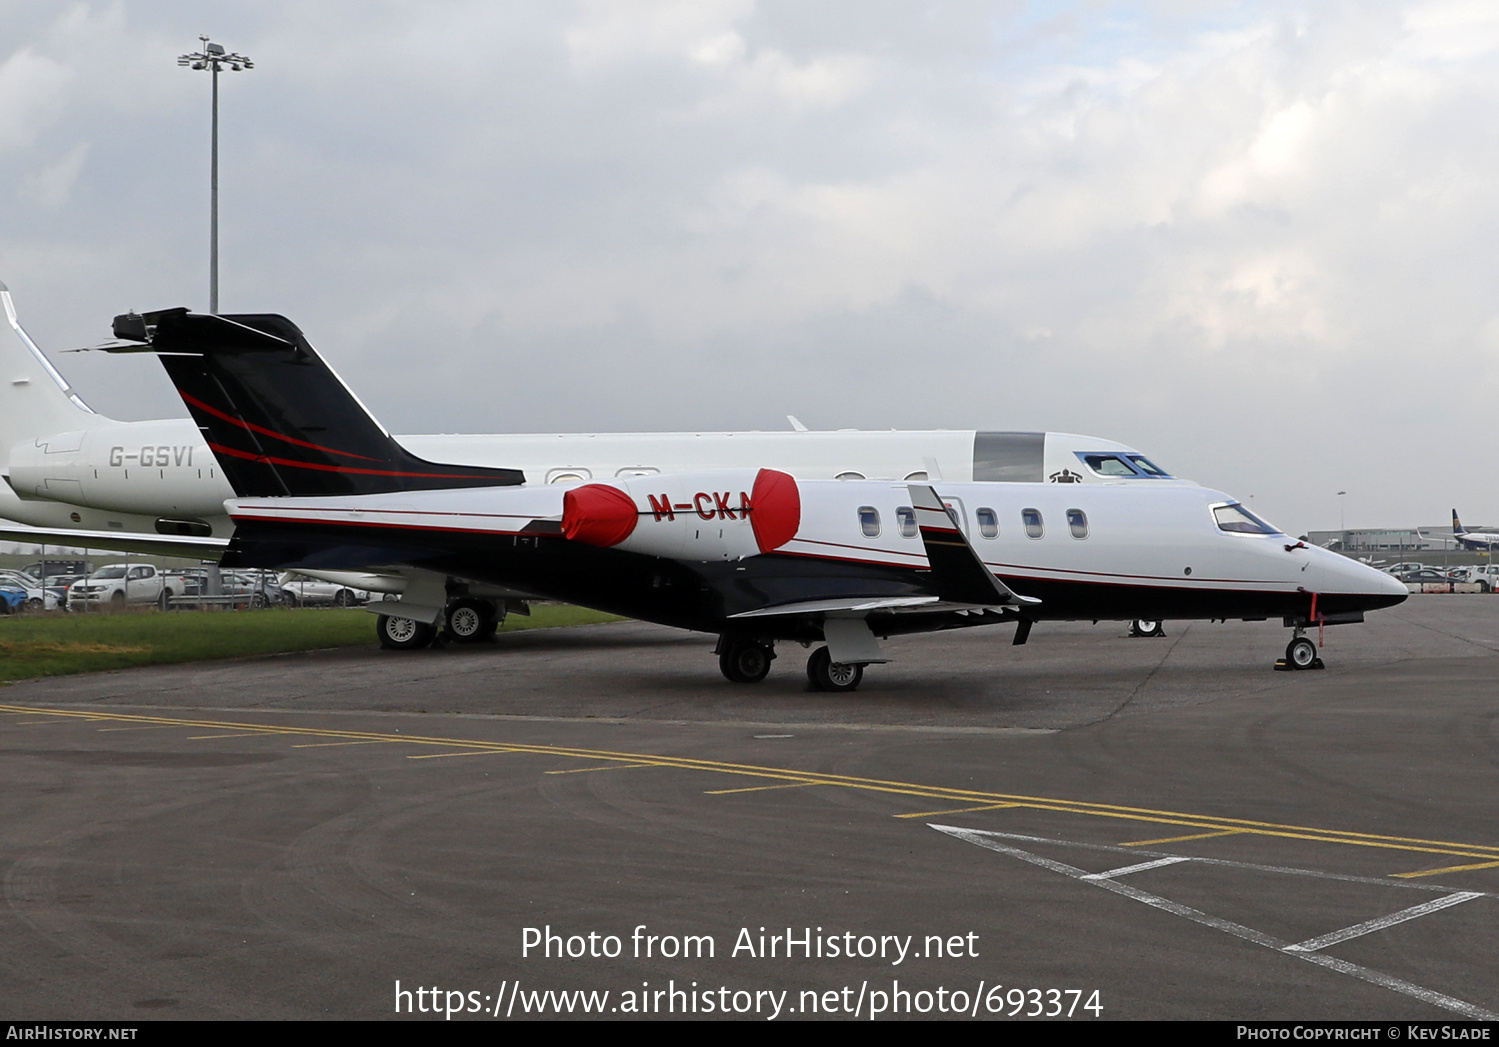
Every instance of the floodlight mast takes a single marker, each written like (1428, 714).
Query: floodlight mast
(213, 57)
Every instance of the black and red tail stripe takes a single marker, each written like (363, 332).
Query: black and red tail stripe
(279, 421)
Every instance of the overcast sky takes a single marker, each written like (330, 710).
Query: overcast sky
(1257, 241)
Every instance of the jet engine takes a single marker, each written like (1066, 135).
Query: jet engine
(723, 515)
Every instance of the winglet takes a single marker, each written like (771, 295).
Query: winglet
(958, 574)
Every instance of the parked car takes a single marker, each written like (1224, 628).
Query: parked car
(1486, 575)
(38, 597)
(12, 598)
(300, 591)
(1397, 569)
(119, 584)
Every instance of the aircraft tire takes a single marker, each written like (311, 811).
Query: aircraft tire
(745, 661)
(403, 634)
(1301, 653)
(827, 675)
(1147, 627)
(468, 621)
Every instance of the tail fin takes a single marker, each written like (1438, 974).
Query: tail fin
(278, 419)
(1457, 525)
(35, 400)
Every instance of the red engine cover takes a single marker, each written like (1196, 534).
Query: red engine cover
(598, 514)
(777, 512)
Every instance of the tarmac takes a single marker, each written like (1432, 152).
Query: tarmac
(593, 822)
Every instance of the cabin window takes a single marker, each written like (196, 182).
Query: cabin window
(849, 475)
(869, 521)
(563, 476)
(1236, 519)
(988, 522)
(637, 470)
(1031, 518)
(905, 520)
(1077, 523)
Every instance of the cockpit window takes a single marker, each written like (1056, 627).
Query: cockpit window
(1149, 468)
(1108, 465)
(1236, 519)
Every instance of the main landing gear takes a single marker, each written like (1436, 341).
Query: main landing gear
(464, 620)
(745, 660)
(403, 634)
(827, 675)
(1146, 627)
(1301, 653)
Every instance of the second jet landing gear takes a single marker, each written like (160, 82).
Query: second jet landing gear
(1146, 627)
(403, 634)
(472, 621)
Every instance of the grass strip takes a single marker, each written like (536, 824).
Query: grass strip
(60, 644)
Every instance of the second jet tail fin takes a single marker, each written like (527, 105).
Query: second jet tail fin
(277, 417)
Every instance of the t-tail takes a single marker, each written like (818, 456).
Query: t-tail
(35, 399)
(277, 417)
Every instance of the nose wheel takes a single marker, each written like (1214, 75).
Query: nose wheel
(1301, 653)
(1146, 627)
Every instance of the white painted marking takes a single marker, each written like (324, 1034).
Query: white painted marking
(1370, 926)
(1285, 870)
(980, 839)
(1126, 870)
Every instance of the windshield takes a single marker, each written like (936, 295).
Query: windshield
(1149, 468)
(1239, 520)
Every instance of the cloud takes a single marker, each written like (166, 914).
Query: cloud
(52, 185)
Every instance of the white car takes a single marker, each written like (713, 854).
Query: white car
(300, 591)
(118, 584)
(1486, 575)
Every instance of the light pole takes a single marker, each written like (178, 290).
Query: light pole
(1342, 524)
(213, 58)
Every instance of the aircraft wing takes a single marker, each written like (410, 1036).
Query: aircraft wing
(958, 574)
(117, 541)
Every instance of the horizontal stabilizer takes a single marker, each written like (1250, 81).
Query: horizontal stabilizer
(958, 574)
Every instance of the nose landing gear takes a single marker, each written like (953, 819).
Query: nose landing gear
(1301, 653)
(1146, 627)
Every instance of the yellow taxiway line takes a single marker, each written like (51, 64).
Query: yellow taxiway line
(1209, 825)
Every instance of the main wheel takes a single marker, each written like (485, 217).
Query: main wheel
(1146, 627)
(468, 621)
(403, 634)
(745, 661)
(828, 675)
(1301, 653)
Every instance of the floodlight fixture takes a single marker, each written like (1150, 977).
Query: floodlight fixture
(213, 57)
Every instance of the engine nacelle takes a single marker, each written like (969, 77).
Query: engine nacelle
(722, 515)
